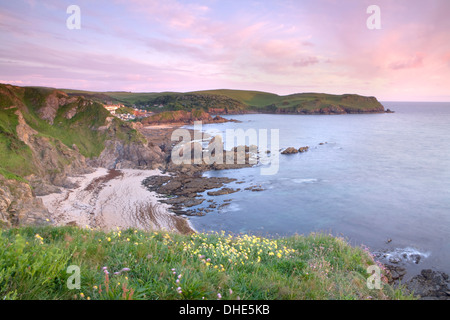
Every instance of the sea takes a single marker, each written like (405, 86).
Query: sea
(378, 180)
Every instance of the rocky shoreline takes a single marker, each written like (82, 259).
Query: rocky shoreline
(184, 188)
(184, 184)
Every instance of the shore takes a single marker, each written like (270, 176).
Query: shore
(152, 200)
(111, 199)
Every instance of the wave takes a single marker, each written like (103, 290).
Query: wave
(305, 180)
(402, 255)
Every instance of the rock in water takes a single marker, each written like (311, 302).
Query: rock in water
(429, 284)
(290, 150)
(303, 149)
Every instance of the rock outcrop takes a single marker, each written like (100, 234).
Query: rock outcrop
(430, 285)
(52, 103)
(120, 155)
(303, 149)
(290, 150)
(52, 136)
(182, 117)
(52, 160)
(19, 205)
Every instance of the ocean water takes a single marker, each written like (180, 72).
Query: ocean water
(381, 180)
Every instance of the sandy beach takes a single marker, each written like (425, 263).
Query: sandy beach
(163, 126)
(111, 199)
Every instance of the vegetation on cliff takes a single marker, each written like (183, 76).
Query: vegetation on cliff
(40, 118)
(182, 117)
(47, 136)
(132, 264)
(241, 101)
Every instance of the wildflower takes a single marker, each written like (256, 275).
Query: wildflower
(231, 291)
(219, 296)
(89, 298)
(82, 294)
(109, 239)
(125, 270)
(95, 287)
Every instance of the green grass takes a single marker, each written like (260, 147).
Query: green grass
(16, 158)
(253, 100)
(250, 98)
(172, 266)
(79, 130)
(15, 155)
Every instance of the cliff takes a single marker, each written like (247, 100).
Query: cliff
(182, 117)
(47, 136)
(224, 101)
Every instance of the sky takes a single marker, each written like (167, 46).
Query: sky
(282, 46)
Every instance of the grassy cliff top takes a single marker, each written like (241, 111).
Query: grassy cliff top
(53, 117)
(133, 264)
(241, 100)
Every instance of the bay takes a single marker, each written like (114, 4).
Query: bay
(379, 180)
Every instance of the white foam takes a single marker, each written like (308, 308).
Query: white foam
(408, 255)
(305, 180)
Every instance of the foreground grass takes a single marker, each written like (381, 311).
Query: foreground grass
(132, 264)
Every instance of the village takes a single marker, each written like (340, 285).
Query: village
(127, 113)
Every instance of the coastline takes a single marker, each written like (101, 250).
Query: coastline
(426, 283)
(163, 200)
(111, 199)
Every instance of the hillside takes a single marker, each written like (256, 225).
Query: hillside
(182, 117)
(47, 135)
(225, 101)
(136, 265)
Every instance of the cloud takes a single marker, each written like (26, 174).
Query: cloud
(307, 61)
(415, 61)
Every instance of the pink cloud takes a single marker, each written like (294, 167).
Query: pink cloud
(415, 61)
(307, 61)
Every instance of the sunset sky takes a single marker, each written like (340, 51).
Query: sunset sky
(279, 46)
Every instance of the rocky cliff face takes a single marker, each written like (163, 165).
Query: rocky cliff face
(53, 161)
(51, 137)
(182, 117)
(345, 104)
(120, 155)
(52, 103)
(19, 205)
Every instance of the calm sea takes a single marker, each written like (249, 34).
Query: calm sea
(375, 178)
